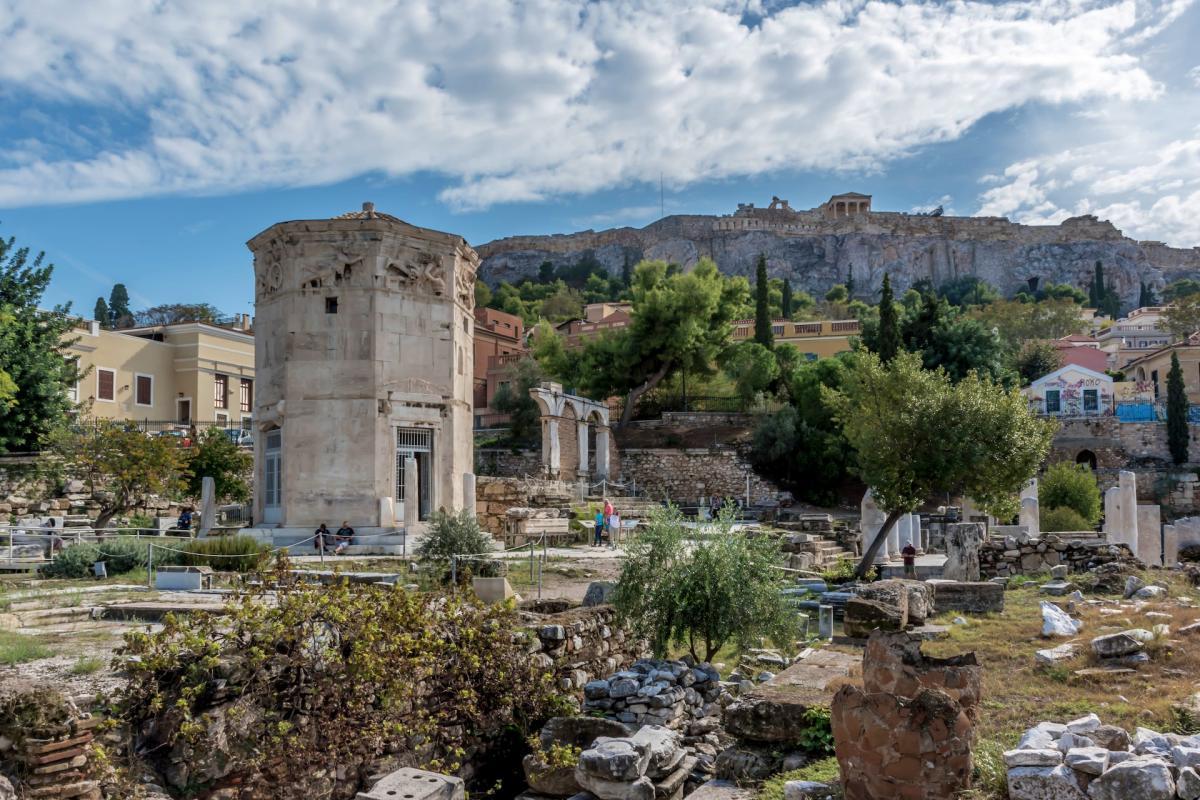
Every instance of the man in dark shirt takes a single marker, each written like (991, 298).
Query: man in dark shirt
(344, 537)
(909, 554)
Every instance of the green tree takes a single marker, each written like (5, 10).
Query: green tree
(1145, 296)
(917, 435)
(483, 295)
(1073, 486)
(1061, 291)
(948, 339)
(513, 398)
(1035, 360)
(1018, 322)
(101, 313)
(837, 294)
(1180, 288)
(1097, 287)
(216, 456)
(119, 464)
(968, 290)
(1110, 305)
(850, 280)
(1054, 520)
(34, 352)
(565, 303)
(786, 300)
(455, 535)
(681, 321)
(888, 338)
(118, 307)
(170, 313)
(801, 446)
(752, 367)
(763, 334)
(546, 272)
(1182, 317)
(724, 588)
(1177, 413)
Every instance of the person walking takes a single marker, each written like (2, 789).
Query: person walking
(598, 537)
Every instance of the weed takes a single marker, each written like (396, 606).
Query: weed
(825, 771)
(86, 665)
(991, 775)
(17, 648)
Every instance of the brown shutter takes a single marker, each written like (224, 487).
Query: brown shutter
(104, 388)
(145, 396)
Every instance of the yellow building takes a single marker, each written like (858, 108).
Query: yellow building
(817, 339)
(1149, 373)
(184, 373)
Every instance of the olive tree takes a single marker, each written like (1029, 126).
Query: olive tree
(917, 434)
(726, 587)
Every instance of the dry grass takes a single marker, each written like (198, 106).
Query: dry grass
(1018, 693)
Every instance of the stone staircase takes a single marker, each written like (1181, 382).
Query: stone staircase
(813, 551)
(627, 507)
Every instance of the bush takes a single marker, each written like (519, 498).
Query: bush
(455, 535)
(225, 553)
(1064, 519)
(73, 561)
(1067, 485)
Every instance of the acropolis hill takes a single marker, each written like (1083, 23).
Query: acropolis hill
(817, 248)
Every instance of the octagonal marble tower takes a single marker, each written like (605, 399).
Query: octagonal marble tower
(363, 345)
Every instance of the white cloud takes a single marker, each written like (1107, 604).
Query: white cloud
(528, 100)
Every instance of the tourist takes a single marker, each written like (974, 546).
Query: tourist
(56, 541)
(185, 520)
(344, 538)
(598, 538)
(909, 554)
(614, 529)
(321, 538)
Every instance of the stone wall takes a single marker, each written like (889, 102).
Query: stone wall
(504, 462)
(495, 496)
(1115, 443)
(694, 420)
(687, 475)
(26, 493)
(579, 644)
(1004, 558)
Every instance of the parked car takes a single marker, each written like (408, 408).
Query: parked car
(246, 439)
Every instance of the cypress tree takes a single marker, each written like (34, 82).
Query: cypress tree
(786, 302)
(1146, 296)
(101, 314)
(1096, 290)
(889, 327)
(850, 282)
(118, 306)
(762, 306)
(1177, 413)
(1110, 302)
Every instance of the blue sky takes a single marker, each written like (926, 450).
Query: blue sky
(145, 142)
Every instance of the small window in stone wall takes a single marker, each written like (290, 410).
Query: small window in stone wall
(331, 305)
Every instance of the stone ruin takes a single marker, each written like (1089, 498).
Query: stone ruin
(578, 643)
(1084, 759)
(44, 743)
(908, 732)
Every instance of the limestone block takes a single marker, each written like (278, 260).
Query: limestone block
(492, 590)
(416, 784)
(1148, 545)
(963, 540)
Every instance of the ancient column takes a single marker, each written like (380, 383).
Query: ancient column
(581, 436)
(1112, 514)
(963, 540)
(1127, 483)
(903, 529)
(469, 493)
(871, 519)
(551, 450)
(601, 453)
(208, 505)
(1170, 544)
(915, 528)
(1031, 516)
(412, 499)
(1148, 547)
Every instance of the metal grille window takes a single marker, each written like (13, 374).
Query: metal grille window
(1053, 404)
(415, 443)
(246, 395)
(220, 391)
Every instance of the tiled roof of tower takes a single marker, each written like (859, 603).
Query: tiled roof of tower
(368, 212)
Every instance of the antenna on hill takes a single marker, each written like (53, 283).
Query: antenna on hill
(662, 203)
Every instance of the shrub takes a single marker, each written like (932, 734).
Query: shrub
(122, 555)
(1067, 485)
(455, 535)
(73, 561)
(225, 553)
(1064, 519)
(330, 678)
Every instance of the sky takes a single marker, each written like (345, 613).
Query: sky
(144, 141)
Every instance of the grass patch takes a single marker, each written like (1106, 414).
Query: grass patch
(17, 648)
(86, 665)
(824, 771)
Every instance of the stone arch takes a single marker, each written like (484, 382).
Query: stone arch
(1086, 457)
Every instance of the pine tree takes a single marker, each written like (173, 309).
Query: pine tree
(762, 306)
(1096, 290)
(1146, 296)
(627, 272)
(786, 302)
(102, 314)
(118, 307)
(1177, 413)
(889, 326)
(850, 282)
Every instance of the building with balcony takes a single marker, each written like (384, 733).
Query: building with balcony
(1133, 335)
(188, 373)
(816, 339)
(598, 319)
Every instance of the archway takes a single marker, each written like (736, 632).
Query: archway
(1086, 457)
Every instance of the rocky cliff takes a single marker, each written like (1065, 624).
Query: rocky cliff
(815, 252)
